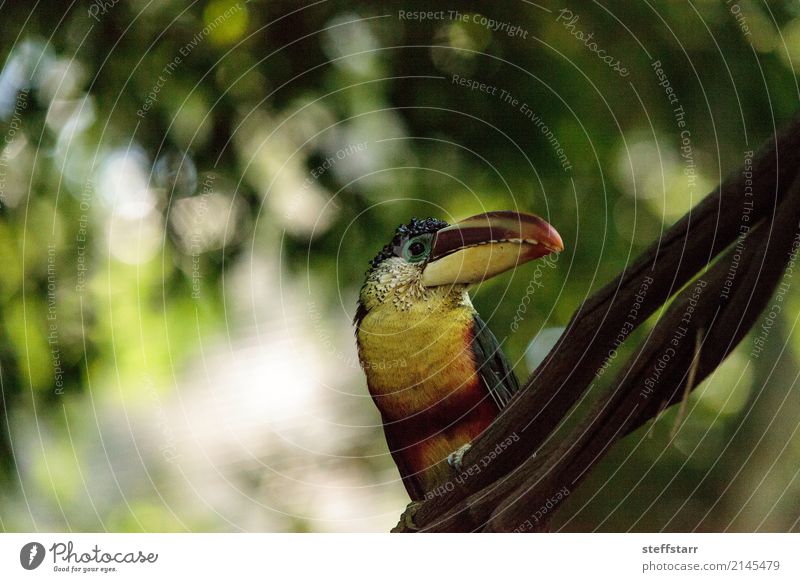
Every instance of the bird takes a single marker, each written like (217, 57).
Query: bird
(434, 369)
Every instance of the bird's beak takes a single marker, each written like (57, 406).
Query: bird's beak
(486, 245)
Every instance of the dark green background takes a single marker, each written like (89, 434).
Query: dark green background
(208, 364)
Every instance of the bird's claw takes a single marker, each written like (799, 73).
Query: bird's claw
(406, 523)
(454, 459)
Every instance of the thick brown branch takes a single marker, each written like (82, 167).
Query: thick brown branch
(701, 327)
(532, 470)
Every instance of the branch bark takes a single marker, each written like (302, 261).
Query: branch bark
(527, 463)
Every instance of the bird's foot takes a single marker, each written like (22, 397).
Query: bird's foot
(454, 459)
(406, 523)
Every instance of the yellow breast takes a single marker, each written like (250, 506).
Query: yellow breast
(417, 357)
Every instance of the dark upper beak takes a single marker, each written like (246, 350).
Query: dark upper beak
(485, 245)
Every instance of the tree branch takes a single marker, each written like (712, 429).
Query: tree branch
(520, 467)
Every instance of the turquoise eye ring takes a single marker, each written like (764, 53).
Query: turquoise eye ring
(418, 248)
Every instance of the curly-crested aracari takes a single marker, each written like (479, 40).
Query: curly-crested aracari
(434, 370)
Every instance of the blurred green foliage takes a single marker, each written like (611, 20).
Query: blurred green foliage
(179, 176)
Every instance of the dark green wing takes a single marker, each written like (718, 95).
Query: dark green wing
(493, 367)
(411, 480)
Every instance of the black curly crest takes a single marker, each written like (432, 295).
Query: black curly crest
(405, 231)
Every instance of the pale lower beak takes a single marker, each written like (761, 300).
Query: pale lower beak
(486, 245)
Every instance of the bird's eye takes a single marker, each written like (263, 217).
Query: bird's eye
(417, 248)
